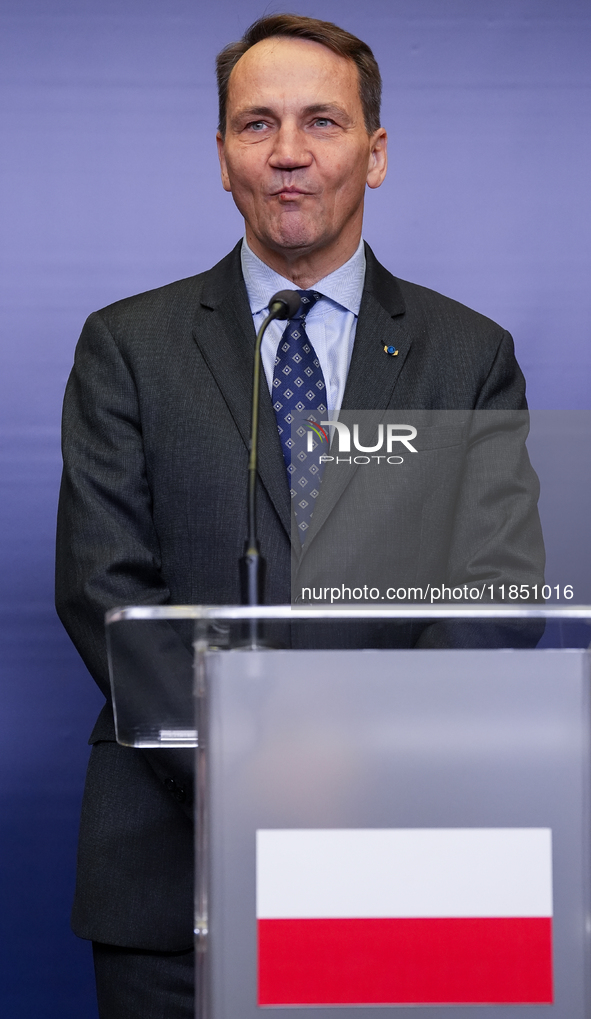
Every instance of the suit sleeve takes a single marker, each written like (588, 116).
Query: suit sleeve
(504, 385)
(497, 536)
(107, 547)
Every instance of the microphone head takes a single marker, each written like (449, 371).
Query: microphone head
(284, 304)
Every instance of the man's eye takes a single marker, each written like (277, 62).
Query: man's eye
(323, 122)
(256, 125)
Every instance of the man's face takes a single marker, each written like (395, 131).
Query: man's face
(297, 155)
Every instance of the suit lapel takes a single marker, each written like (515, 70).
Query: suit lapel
(372, 373)
(224, 333)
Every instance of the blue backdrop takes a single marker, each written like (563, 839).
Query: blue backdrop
(110, 186)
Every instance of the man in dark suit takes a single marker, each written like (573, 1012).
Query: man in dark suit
(156, 430)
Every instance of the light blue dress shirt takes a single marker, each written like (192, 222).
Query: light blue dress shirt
(330, 325)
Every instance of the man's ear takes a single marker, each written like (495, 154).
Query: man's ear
(222, 159)
(378, 158)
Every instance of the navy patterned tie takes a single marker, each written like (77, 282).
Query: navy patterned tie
(299, 397)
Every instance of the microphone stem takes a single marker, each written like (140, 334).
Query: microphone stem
(252, 563)
(254, 438)
(282, 305)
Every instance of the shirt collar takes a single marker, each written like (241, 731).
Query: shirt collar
(344, 286)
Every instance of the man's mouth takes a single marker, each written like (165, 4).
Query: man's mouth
(288, 194)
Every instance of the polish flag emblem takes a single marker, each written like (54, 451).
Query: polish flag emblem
(404, 916)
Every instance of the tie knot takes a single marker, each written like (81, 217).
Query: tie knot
(308, 299)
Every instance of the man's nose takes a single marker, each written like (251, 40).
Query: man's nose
(290, 149)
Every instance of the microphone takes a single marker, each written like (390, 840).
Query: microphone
(283, 305)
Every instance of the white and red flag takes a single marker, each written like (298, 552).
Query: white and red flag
(404, 916)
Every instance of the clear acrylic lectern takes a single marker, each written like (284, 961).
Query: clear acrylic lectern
(402, 829)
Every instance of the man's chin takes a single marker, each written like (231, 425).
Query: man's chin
(295, 238)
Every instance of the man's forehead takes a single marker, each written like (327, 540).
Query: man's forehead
(281, 65)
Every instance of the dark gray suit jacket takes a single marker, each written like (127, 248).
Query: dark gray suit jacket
(153, 511)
